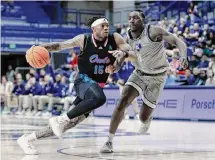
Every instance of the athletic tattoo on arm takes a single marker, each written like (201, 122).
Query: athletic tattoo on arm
(77, 41)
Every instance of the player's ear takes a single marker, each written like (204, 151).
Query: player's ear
(93, 29)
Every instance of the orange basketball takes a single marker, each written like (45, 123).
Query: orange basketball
(38, 57)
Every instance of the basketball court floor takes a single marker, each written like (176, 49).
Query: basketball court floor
(166, 140)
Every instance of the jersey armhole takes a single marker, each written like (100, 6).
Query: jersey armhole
(148, 34)
(86, 36)
(112, 40)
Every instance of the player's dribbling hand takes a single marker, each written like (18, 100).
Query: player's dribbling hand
(183, 62)
(110, 69)
(117, 53)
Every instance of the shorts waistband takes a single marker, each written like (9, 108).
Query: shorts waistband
(141, 73)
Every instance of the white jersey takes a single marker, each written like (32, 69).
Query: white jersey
(151, 55)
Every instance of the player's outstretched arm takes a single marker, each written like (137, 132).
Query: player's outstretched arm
(77, 41)
(160, 33)
(126, 48)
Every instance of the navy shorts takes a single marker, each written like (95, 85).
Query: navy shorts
(81, 84)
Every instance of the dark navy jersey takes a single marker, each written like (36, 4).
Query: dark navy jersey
(94, 59)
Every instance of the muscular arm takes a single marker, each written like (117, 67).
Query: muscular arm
(123, 46)
(160, 33)
(77, 41)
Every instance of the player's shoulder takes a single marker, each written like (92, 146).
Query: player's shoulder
(155, 29)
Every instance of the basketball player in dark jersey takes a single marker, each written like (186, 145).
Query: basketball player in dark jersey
(101, 53)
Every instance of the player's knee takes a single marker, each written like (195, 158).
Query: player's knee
(100, 100)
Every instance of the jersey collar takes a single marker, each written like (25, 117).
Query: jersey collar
(105, 44)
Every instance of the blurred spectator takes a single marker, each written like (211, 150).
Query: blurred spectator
(72, 62)
(47, 92)
(210, 78)
(171, 77)
(194, 34)
(65, 86)
(33, 73)
(189, 77)
(212, 63)
(193, 12)
(56, 95)
(204, 63)
(198, 79)
(193, 62)
(10, 74)
(33, 96)
(205, 33)
(118, 28)
(182, 25)
(203, 76)
(67, 90)
(211, 40)
(42, 75)
(27, 77)
(175, 65)
(198, 51)
(186, 32)
(18, 90)
(6, 93)
(175, 31)
(171, 25)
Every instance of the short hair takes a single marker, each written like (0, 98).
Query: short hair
(141, 13)
(93, 19)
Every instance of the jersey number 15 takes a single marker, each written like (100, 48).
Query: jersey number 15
(98, 69)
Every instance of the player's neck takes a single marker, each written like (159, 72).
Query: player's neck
(137, 33)
(101, 39)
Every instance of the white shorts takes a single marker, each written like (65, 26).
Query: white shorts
(149, 86)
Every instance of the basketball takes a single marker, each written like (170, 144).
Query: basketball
(37, 57)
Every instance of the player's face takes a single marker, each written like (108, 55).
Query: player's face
(135, 21)
(101, 30)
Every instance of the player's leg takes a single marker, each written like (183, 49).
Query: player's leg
(127, 96)
(26, 141)
(151, 95)
(121, 86)
(136, 108)
(131, 90)
(91, 94)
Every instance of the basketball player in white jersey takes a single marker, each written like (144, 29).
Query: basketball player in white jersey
(148, 78)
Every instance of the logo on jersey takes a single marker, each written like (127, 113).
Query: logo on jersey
(110, 48)
(138, 46)
(95, 59)
(99, 69)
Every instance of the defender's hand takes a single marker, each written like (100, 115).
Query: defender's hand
(118, 54)
(110, 69)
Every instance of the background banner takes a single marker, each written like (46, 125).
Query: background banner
(187, 103)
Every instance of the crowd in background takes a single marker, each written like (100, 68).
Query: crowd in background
(45, 92)
(200, 40)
